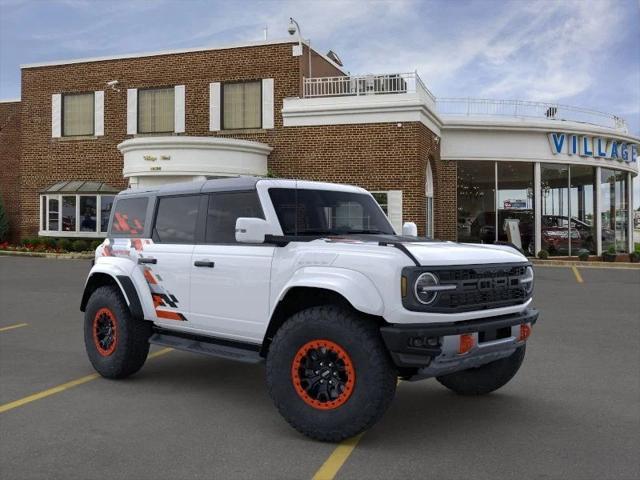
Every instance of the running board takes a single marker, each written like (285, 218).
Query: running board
(240, 352)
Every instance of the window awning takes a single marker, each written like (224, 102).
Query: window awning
(80, 186)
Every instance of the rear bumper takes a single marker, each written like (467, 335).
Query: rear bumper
(433, 348)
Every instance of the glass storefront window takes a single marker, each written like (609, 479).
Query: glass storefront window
(53, 214)
(476, 202)
(614, 210)
(582, 205)
(106, 202)
(68, 214)
(516, 205)
(554, 190)
(75, 215)
(88, 214)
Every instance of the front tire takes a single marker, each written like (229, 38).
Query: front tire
(486, 378)
(329, 373)
(116, 343)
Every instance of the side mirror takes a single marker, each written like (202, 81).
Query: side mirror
(251, 230)
(410, 229)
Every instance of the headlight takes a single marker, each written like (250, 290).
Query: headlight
(527, 280)
(426, 288)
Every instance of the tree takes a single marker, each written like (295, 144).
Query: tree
(4, 222)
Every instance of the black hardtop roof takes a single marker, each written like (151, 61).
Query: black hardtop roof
(203, 186)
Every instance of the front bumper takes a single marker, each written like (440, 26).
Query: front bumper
(433, 349)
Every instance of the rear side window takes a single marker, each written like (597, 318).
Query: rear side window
(224, 209)
(129, 217)
(176, 219)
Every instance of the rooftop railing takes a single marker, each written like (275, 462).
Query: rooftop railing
(399, 83)
(356, 85)
(521, 108)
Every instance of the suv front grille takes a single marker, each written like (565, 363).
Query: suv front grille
(478, 287)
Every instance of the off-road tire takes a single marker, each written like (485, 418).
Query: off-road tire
(375, 375)
(484, 379)
(132, 336)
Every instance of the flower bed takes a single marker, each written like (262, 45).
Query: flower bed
(51, 245)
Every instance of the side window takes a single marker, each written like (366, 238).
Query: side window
(176, 219)
(128, 217)
(224, 209)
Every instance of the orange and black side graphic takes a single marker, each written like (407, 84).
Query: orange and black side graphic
(162, 300)
(123, 224)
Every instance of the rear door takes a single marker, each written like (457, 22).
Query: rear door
(230, 281)
(166, 260)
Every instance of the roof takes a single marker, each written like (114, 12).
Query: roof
(80, 186)
(203, 186)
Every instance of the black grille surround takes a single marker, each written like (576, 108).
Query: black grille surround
(478, 287)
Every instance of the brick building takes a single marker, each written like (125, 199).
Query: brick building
(85, 129)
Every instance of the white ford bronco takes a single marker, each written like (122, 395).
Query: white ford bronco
(311, 279)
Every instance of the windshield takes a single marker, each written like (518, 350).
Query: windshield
(327, 212)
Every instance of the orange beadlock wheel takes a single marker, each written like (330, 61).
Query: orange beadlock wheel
(105, 332)
(323, 374)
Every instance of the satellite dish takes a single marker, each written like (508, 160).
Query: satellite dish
(334, 57)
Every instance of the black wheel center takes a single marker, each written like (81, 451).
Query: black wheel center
(105, 331)
(322, 374)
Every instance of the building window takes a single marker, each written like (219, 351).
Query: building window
(156, 108)
(383, 200)
(78, 114)
(428, 190)
(515, 205)
(75, 209)
(614, 210)
(476, 201)
(242, 105)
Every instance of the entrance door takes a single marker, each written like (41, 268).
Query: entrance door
(167, 260)
(230, 282)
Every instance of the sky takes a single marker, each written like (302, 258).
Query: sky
(576, 52)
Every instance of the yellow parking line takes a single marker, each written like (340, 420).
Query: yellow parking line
(11, 327)
(577, 274)
(330, 467)
(334, 463)
(65, 386)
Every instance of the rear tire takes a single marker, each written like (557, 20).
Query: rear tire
(353, 357)
(487, 378)
(116, 343)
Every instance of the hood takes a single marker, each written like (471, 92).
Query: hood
(450, 253)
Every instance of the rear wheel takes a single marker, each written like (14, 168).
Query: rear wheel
(117, 344)
(486, 378)
(329, 373)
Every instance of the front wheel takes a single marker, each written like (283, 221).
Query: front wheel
(116, 343)
(329, 374)
(486, 378)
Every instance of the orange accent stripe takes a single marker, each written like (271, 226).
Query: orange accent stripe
(168, 315)
(149, 276)
(157, 301)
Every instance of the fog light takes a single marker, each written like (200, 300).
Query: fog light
(466, 343)
(525, 331)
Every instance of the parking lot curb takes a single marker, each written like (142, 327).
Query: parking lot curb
(573, 263)
(61, 256)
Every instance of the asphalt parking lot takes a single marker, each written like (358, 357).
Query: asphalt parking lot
(573, 411)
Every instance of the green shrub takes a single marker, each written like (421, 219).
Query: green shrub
(65, 244)
(29, 241)
(583, 254)
(80, 246)
(611, 250)
(95, 244)
(48, 242)
(4, 223)
(543, 254)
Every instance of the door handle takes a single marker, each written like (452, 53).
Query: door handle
(147, 260)
(204, 263)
